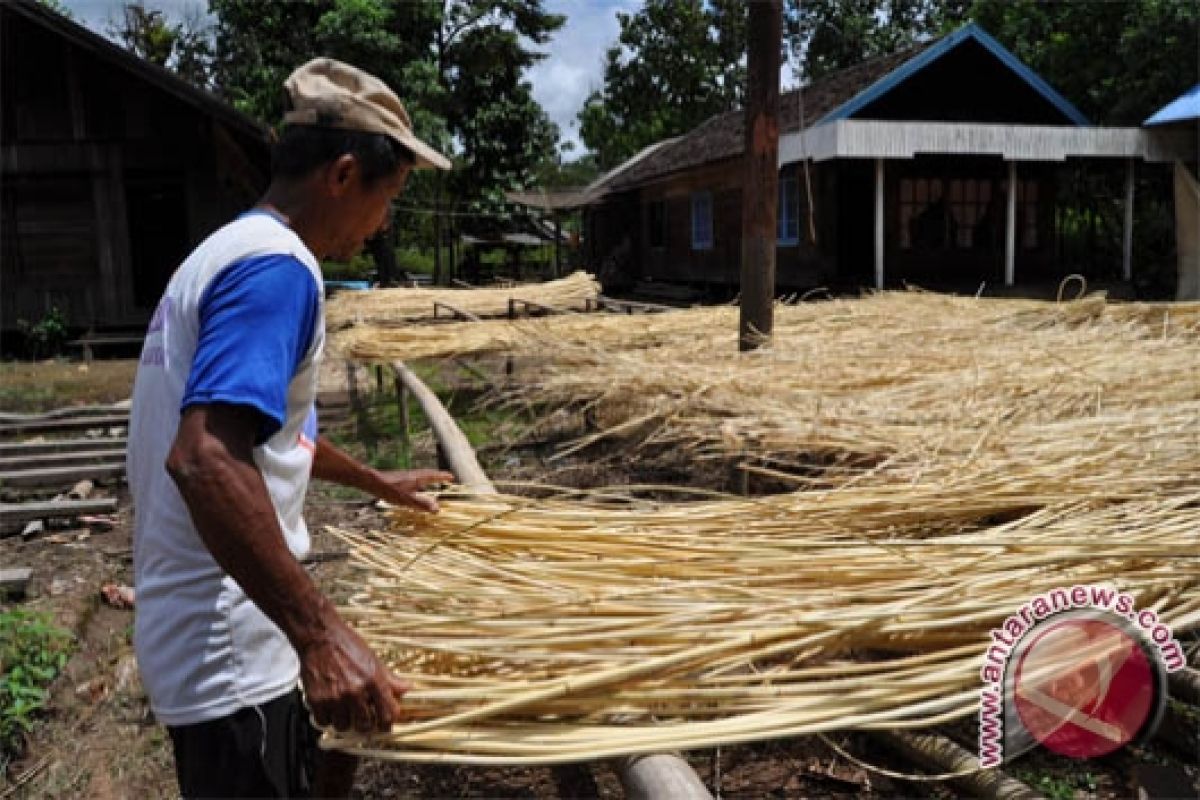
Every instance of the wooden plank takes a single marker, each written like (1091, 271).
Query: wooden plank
(60, 476)
(14, 449)
(64, 425)
(13, 513)
(14, 581)
(60, 459)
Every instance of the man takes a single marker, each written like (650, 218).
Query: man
(223, 441)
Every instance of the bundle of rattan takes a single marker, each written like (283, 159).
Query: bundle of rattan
(548, 631)
(384, 306)
(912, 316)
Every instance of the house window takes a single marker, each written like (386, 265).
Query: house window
(789, 211)
(702, 230)
(924, 222)
(657, 221)
(974, 213)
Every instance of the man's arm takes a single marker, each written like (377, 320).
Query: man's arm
(400, 487)
(212, 464)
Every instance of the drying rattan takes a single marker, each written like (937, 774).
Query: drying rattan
(384, 306)
(956, 457)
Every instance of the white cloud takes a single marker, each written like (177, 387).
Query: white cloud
(574, 66)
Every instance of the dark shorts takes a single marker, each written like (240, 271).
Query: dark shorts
(259, 751)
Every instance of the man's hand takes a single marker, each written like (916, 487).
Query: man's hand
(401, 487)
(346, 685)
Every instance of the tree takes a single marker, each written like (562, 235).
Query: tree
(676, 63)
(1117, 61)
(828, 35)
(458, 65)
(183, 48)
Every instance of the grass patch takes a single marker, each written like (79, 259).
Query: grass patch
(33, 650)
(380, 441)
(31, 386)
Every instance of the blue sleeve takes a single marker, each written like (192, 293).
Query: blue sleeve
(257, 320)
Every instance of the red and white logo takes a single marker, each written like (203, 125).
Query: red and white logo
(1084, 687)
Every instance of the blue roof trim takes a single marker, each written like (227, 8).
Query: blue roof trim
(941, 48)
(1184, 108)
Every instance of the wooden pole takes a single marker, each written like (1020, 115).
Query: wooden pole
(1010, 228)
(879, 223)
(643, 777)
(1127, 239)
(760, 195)
(941, 754)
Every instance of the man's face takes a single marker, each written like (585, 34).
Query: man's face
(362, 210)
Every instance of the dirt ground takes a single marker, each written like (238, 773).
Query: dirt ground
(99, 739)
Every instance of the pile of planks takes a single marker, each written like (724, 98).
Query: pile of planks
(53, 472)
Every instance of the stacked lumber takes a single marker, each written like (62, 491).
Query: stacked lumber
(955, 457)
(396, 306)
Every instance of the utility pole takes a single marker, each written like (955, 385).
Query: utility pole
(760, 192)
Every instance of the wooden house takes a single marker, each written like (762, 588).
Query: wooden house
(111, 169)
(897, 170)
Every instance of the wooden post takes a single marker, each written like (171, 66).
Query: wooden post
(760, 195)
(1127, 239)
(557, 247)
(879, 223)
(1010, 228)
(402, 406)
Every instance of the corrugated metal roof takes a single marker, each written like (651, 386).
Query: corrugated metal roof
(1184, 108)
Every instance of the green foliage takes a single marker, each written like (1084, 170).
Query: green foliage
(182, 47)
(676, 63)
(458, 65)
(828, 35)
(47, 336)
(1117, 61)
(32, 652)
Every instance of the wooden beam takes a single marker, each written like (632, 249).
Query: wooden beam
(14, 581)
(942, 755)
(457, 449)
(15, 449)
(60, 476)
(1010, 228)
(59, 459)
(659, 776)
(879, 277)
(1127, 237)
(14, 513)
(63, 425)
(760, 193)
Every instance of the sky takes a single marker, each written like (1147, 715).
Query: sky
(573, 67)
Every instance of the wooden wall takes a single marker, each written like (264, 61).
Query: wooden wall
(106, 181)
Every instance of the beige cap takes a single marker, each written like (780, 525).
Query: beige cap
(336, 95)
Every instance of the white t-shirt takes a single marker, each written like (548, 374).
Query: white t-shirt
(240, 322)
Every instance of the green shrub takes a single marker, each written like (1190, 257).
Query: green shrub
(32, 652)
(47, 336)
(410, 259)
